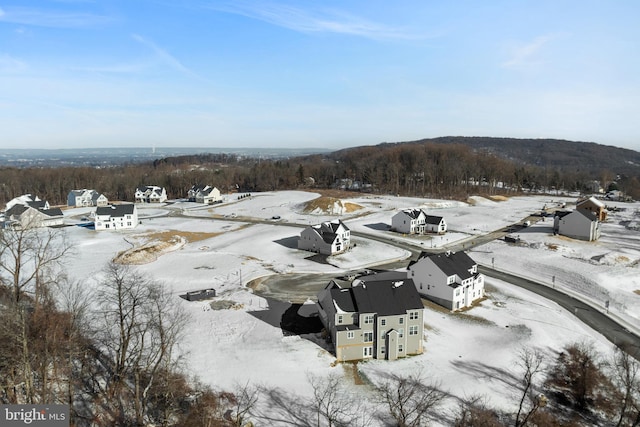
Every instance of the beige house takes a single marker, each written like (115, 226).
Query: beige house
(378, 317)
(593, 205)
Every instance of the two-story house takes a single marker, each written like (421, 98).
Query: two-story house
(204, 194)
(83, 198)
(379, 316)
(409, 221)
(327, 238)
(450, 279)
(580, 224)
(116, 217)
(33, 215)
(150, 194)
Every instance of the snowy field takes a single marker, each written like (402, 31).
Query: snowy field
(468, 353)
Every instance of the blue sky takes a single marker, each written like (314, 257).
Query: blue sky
(332, 74)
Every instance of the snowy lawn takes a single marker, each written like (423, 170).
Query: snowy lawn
(467, 353)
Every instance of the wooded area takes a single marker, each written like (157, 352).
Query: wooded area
(425, 169)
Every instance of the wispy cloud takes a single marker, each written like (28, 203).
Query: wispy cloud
(9, 64)
(525, 53)
(315, 21)
(164, 56)
(53, 19)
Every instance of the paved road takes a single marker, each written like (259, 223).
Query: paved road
(595, 319)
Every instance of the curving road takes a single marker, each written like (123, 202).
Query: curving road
(597, 320)
(283, 287)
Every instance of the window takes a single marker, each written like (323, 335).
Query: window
(368, 336)
(413, 315)
(413, 330)
(382, 349)
(400, 332)
(382, 334)
(367, 351)
(368, 319)
(340, 318)
(350, 335)
(401, 320)
(400, 348)
(383, 322)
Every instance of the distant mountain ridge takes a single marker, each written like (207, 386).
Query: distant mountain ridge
(552, 153)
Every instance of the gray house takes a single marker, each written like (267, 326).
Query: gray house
(327, 238)
(379, 316)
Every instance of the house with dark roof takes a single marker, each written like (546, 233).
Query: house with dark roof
(25, 199)
(327, 238)
(116, 217)
(409, 221)
(450, 279)
(580, 224)
(32, 215)
(204, 194)
(416, 221)
(150, 194)
(377, 317)
(84, 198)
(435, 224)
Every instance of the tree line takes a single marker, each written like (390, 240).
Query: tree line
(412, 169)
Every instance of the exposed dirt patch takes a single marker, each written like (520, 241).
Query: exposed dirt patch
(551, 246)
(169, 235)
(497, 198)
(637, 292)
(156, 244)
(330, 205)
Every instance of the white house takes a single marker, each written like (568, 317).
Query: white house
(378, 316)
(204, 194)
(27, 199)
(450, 279)
(27, 216)
(326, 238)
(116, 217)
(409, 221)
(83, 198)
(435, 224)
(579, 224)
(150, 194)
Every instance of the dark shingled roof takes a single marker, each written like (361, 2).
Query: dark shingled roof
(327, 230)
(52, 212)
(432, 219)
(386, 297)
(451, 263)
(413, 213)
(116, 210)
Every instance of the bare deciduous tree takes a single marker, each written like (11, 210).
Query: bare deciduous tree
(409, 399)
(531, 363)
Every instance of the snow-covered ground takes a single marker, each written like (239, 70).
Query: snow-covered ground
(464, 352)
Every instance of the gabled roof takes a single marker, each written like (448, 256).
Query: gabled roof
(451, 263)
(116, 210)
(412, 213)
(432, 219)
(52, 212)
(593, 200)
(328, 230)
(386, 297)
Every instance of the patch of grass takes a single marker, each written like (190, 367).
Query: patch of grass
(497, 198)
